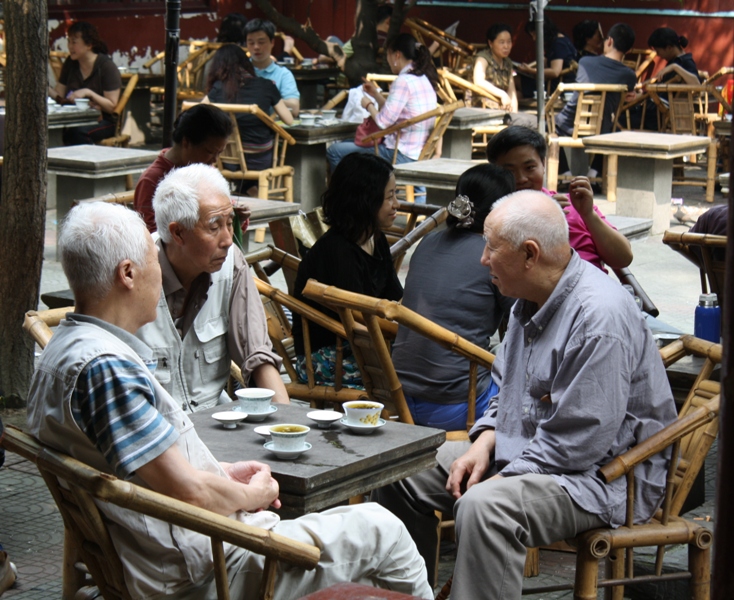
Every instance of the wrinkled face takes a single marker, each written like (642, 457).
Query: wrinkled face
(149, 284)
(207, 244)
(260, 47)
(525, 164)
(505, 262)
(77, 46)
(502, 44)
(389, 209)
(206, 153)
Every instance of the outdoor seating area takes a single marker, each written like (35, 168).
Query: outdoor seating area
(366, 301)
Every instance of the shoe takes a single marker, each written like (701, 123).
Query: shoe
(8, 572)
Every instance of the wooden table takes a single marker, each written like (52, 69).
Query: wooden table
(645, 170)
(264, 212)
(438, 175)
(308, 158)
(339, 465)
(309, 78)
(457, 141)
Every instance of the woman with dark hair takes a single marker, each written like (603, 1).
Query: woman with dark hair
(199, 136)
(464, 300)
(232, 29)
(559, 53)
(588, 38)
(669, 46)
(88, 73)
(232, 80)
(411, 94)
(493, 67)
(353, 255)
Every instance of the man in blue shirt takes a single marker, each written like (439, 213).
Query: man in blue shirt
(260, 34)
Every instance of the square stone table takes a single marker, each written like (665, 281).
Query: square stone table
(645, 170)
(339, 465)
(438, 175)
(458, 137)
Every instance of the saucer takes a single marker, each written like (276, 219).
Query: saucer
(257, 417)
(263, 430)
(362, 429)
(229, 418)
(324, 418)
(286, 454)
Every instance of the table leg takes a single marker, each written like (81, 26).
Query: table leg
(309, 180)
(643, 190)
(457, 144)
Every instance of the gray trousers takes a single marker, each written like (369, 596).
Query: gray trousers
(495, 522)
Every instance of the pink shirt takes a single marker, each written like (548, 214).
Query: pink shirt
(579, 236)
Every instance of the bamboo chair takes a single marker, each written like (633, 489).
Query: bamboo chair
(588, 121)
(412, 234)
(691, 437)
(686, 106)
(78, 489)
(336, 100)
(297, 56)
(708, 253)
(121, 140)
(464, 85)
(124, 198)
(453, 53)
(190, 72)
(56, 62)
(641, 61)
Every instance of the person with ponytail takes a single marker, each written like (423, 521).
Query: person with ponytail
(669, 46)
(89, 72)
(411, 94)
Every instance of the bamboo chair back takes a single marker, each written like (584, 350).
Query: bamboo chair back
(124, 198)
(120, 140)
(77, 489)
(297, 56)
(641, 61)
(453, 53)
(338, 98)
(273, 183)
(464, 85)
(708, 253)
(56, 62)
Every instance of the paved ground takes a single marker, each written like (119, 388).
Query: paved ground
(32, 532)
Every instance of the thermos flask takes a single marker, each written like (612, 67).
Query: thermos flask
(707, 322)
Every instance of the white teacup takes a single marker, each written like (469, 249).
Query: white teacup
(363, 412)
(255, 400)
(308, 119)
(289, 437)
(307, 62)
(328, 114)
(82, 103)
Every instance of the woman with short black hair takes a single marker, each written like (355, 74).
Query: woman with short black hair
(493, 68)
(670, 46)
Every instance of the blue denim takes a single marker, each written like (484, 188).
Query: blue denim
(450, 417)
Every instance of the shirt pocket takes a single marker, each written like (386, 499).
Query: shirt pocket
(163, 367)
(213, 357)
(538, 403)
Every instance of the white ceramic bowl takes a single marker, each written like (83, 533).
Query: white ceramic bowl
(229, 418)
(328, 114)
(288, 437)
(363, 412)
(324, 418)
(308, 120)
(263, 430)
(82, 103)
(255, 400)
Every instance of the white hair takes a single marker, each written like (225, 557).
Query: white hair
(521, 222)
(177, 196)
(95, 238)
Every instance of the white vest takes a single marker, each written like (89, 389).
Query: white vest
(194, 370)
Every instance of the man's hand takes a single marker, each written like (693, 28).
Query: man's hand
(243, 212)
(263, 488)
(582, 196)
(474, 463)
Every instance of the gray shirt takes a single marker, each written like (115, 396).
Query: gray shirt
(581, 381)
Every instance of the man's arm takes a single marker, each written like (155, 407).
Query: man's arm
(289, 91)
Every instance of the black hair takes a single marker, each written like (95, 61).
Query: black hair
(232, 29)
(483, 185)
(90, 35)
(583, 32)
(355, 194)
(623, 37)
(664, 37)
(513, 137)
(418, 54)
(255, 25)
(496, 29)
(200, 123)
(550, 32)
(231, 66)
(384, 11)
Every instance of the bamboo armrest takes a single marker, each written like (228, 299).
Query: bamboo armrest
(374, 137)
(624, 463)
(285, 260)
(35, 326)
(687, 344)
(129, 89)
(113, 198)
(254, 109)
(155, 59)
(133, 497)
(464, 84)
(702, 239)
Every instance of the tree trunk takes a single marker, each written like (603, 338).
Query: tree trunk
(23, 202)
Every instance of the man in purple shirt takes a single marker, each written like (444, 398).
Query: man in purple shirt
(580, 380)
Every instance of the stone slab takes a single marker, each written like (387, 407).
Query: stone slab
(98, 161)
(440, 173)
(321, 134)
(645, 144)
(468, 118)
(631, 227)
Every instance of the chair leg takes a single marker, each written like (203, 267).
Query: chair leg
(260, 235)
(551, 172)
(611, 177)
(587, 571)
(711, 171)
(72, 578)
(615, 570)
(532, 563)
(699, 565)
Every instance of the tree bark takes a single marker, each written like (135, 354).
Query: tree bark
(23, 202)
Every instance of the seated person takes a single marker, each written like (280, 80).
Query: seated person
(353, 255)
(493, 67)
(209, 311)
(448, 286)
(199, 136)
(89, 72)
(588, 38)
(260, 36)
(93, 396)
(581, 380)
(522, 150)
(232, 80)
(713, 221)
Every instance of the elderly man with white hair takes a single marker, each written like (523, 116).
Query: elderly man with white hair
(581, 380)
(93, 396)
(210, 312)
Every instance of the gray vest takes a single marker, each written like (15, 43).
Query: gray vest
(195, 370)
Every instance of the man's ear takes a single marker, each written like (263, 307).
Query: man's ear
(124, 274)
(176, 230)
(532, 252)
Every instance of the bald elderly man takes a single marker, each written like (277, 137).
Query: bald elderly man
(581, 380)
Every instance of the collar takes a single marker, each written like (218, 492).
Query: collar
(269, 70)
(171, 283)
(141, 349)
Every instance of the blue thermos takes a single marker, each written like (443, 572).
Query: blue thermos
(707, 322)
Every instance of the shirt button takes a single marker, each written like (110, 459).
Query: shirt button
(526, 410)
(530, 339)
